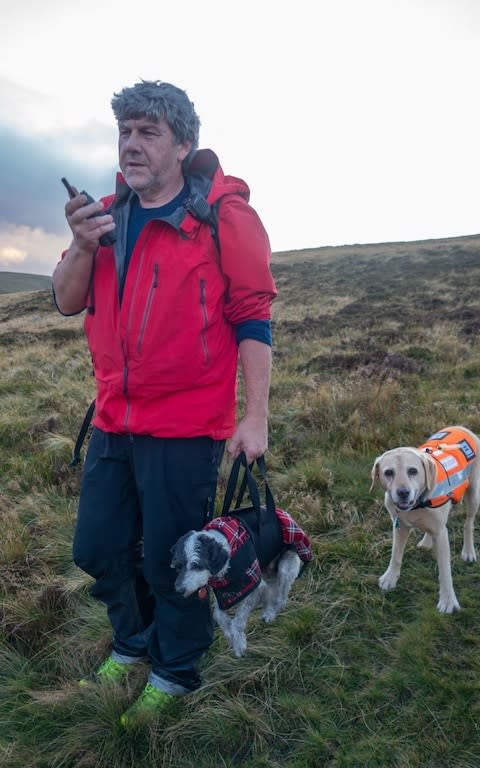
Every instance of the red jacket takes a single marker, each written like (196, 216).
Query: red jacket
(165, 360)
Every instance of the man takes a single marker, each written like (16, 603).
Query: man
(184, 292)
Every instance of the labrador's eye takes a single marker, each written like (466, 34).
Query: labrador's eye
(389, 473)
(412, 472)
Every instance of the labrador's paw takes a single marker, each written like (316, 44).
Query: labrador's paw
(388, 580)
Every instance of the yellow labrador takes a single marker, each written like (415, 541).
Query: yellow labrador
(421, 484)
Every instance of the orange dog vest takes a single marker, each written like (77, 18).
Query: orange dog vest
(453, 451)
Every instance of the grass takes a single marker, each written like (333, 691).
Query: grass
(375, 346)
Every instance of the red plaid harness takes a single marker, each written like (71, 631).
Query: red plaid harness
(251, 550)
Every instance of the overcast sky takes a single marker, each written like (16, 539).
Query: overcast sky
(352, 121)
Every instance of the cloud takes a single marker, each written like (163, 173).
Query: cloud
(31, 192)
(34, 154)
(9, 256)
(40, 142)
(33, 230)
(30, 250)
(359, 126)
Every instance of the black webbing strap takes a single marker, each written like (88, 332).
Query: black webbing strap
(248, 480)
(82, 434)
(261, 521)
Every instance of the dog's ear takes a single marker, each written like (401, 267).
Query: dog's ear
(216, 555)
(375, 473)
(178, 551)
(430, 467)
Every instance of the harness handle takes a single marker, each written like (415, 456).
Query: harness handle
(249, 481)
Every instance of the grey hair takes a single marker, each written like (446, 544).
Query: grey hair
(156, 100)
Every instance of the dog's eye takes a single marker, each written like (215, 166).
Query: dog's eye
(412, 472)
(389, 473)
(196, 567)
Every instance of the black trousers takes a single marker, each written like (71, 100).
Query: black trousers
(138, 495)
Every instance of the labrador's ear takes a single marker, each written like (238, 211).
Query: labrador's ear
(375, 473)
(430, 467)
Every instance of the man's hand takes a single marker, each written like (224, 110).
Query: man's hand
(250, 436)
(86, 230)
(71, 277)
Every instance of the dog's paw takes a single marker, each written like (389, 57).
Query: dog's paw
(448, 604)
(469, 555)
(269, 614)
(388, 580)
(239, 645)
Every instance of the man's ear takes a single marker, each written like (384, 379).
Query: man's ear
(184, 150)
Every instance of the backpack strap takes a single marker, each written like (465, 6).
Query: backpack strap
(82, 434)
(201, 209)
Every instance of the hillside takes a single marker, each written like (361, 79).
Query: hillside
(13, 282)
(375, 346)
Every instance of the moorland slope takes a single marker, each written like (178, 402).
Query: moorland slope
(375, 346)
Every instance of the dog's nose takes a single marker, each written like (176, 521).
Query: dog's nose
(403, 494)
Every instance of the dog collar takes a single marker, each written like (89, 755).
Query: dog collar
(422, 501)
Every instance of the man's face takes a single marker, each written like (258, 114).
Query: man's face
(150, 160)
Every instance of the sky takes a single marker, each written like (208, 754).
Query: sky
(352, 121)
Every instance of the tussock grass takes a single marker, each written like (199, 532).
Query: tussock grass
(372, 351)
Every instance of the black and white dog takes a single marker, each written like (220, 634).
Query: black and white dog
(246, 561)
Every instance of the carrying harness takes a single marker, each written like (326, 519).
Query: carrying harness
(257, 535)
(453, 453)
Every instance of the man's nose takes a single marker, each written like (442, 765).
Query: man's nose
(132, 142)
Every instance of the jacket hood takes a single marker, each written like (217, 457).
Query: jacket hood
(204, 173)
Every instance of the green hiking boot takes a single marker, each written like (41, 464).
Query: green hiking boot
(151, 702)
(110, 671)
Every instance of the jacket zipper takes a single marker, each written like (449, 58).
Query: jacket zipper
(125, 385)
(203, 307)
(148, 307)
(125, 346)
